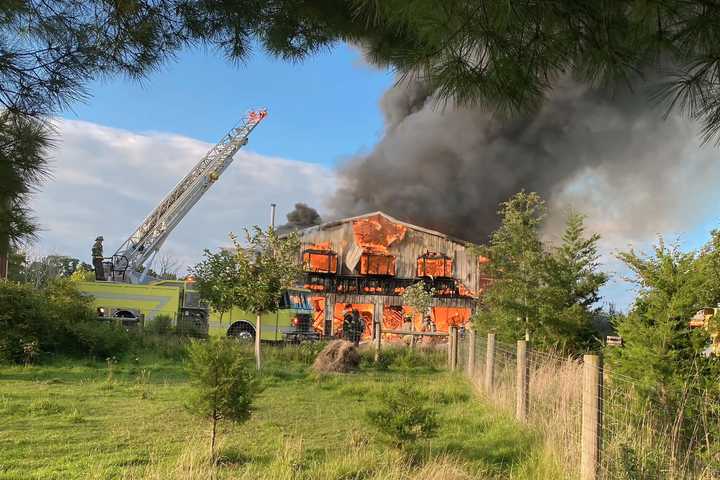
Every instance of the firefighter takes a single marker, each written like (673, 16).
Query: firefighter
(97, 258)
(353, 326)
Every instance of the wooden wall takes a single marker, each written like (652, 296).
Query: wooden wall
(414, 244)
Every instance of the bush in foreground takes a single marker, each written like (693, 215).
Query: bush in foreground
(56, 319)
(160, 325)
(404, 416)
(223, 382)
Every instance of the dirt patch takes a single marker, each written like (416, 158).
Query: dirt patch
(340, 356)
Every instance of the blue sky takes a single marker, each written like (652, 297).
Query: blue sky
(321, 110)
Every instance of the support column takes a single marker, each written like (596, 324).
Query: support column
(592, 417)
(329, 329)
(378, 313)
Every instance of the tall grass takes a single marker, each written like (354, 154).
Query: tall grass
(293, 461)
(639, 441)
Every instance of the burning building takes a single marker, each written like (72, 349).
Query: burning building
(366, 262)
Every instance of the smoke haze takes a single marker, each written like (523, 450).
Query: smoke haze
(615, 158)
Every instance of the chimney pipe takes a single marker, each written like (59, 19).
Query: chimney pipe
(272, 215)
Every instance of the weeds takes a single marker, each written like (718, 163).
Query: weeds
(44, 406)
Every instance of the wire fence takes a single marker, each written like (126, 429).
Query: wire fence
(607, 424)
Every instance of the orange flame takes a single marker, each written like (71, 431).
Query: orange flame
(376, 233)
(320, 258)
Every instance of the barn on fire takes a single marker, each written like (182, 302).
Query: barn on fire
(367, 261)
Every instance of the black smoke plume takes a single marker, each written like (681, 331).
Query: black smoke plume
(611, 155)
(303, 216)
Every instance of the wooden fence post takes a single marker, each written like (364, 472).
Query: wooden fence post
(258, 336)
(451, 348)
(522, 381)
(456, 346)
(378, 340)
(471, 354)
(592, 417)
(490, 364)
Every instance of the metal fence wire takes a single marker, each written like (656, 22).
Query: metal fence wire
(600, 430)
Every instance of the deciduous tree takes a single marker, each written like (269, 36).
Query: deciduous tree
(216, 277)
(267, 266)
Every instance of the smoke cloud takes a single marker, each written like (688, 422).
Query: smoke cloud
(303, 216)
(611, 156)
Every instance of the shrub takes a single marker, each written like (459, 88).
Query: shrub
(224, 384)
(22, 320)
(404, 416)
(56, 319)
(404, 358)
(160, 325)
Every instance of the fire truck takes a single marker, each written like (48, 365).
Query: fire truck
(127, 294)
(292, 322)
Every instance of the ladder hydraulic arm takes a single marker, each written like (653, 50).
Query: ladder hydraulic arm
(147, 239)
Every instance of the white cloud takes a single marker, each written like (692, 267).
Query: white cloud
(105, 181)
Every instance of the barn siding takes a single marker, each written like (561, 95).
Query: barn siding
(407, 251)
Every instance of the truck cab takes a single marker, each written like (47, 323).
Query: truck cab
(175, 299)
(292, 322)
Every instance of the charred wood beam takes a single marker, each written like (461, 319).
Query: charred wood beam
(378, 285)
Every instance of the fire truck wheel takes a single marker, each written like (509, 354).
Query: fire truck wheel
(242, 330)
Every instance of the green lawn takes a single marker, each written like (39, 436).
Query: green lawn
(77, 419)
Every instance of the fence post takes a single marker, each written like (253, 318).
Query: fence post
(522, 381)
(378, 340)
(592, 417)
(490, 364)
(471, 354)
(451, 348)
(456, 346)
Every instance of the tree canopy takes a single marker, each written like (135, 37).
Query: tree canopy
(215, 279)
(505, 55)
(548, 292)
(660, 350)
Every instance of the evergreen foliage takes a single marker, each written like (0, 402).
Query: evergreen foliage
(547, 292)
(224, 386)
(660, 351)
(510, 55)
(405, 416)
(507, 55)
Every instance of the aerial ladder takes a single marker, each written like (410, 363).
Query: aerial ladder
(127, 264)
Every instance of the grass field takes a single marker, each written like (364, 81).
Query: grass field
(86, 419)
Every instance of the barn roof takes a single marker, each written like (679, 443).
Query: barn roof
(335, 223)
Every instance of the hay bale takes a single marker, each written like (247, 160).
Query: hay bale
(340, 356)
